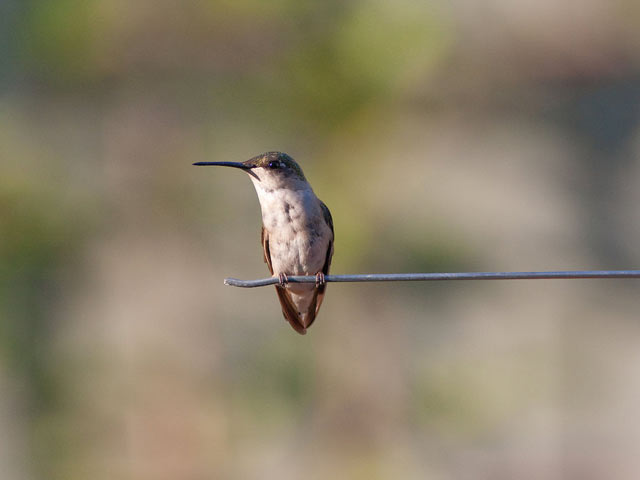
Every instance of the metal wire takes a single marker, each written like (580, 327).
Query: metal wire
(422, 277)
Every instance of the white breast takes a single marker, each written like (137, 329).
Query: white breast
(298, 234)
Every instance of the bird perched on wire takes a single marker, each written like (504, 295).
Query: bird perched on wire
(297, 232)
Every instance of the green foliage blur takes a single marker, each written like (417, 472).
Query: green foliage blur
(443, 136)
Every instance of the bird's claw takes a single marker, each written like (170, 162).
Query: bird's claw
(320, 280)
(282, 279)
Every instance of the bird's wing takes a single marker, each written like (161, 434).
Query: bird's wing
(327, 215)
(329, 256)
(318, 295)
(289, 311)
(264, 239)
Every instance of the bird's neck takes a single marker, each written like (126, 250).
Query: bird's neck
(270, 190)
(279, 204)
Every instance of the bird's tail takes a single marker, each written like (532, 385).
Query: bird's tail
(290, 312)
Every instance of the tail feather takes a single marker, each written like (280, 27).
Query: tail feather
(312, 311)
(290, 312)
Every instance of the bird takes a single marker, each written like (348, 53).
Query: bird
(297, 233)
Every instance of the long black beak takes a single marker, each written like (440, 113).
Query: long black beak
(241, 166)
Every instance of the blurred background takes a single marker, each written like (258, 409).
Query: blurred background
(444, 136)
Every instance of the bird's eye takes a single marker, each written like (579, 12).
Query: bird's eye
(272, 164)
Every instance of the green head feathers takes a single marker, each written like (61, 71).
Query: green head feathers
(277, 161)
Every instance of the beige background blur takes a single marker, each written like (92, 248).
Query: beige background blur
(444, 136)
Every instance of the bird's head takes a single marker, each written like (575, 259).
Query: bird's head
(268, 170)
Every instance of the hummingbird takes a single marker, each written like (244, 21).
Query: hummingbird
(297, 233)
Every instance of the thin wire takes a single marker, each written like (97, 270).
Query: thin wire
(422, 277)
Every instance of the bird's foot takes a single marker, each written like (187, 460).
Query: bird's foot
(282, 279)
(320, 280)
